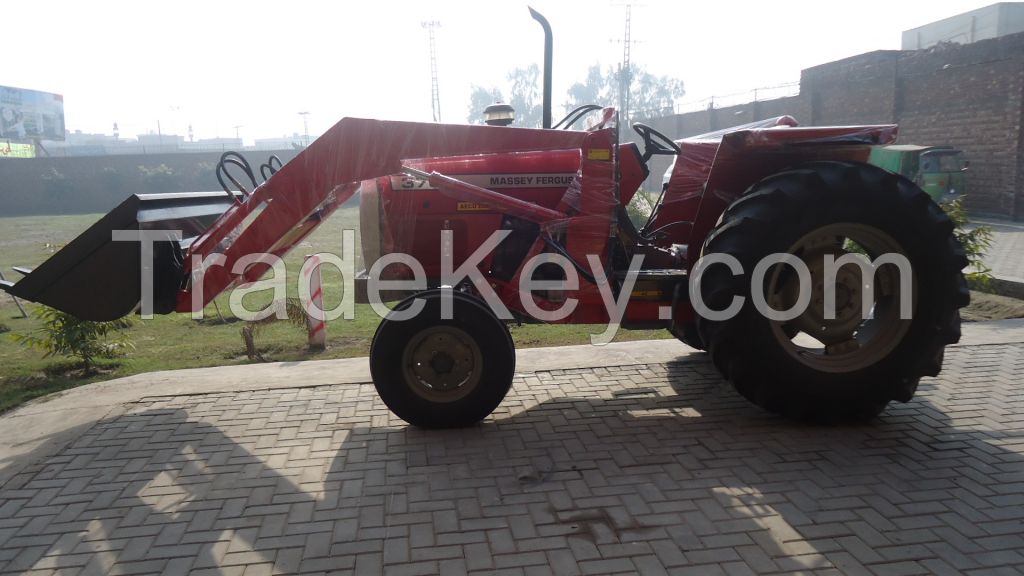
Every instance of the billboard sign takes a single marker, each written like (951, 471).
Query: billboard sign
(31, 115)
(13, 150)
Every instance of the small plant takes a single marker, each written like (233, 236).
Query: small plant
(976, 240)
(66, 335)
(294, 314)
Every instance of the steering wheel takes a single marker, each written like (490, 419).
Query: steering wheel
(656, 143)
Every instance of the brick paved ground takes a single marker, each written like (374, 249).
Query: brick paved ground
(648, 469)
(1006, 257)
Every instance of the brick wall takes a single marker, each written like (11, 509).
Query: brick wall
(857, 90)
(967, 96)
(970, 97)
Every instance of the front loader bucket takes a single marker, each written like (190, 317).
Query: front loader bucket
(96, 278)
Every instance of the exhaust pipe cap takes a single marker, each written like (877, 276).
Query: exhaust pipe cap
(499, 114)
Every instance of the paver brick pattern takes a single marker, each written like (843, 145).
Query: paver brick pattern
(1006, 256)
(639, 469)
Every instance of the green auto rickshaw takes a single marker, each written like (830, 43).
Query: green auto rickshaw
(939, 170)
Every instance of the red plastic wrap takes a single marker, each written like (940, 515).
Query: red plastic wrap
(715, 168)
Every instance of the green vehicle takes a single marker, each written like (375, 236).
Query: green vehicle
(939, 170)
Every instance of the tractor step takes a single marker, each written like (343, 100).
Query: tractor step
(96, 278)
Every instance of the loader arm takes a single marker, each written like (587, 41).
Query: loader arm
(295, 200)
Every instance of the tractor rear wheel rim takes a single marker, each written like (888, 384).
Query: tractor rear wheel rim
(442, 363)
(850, 342)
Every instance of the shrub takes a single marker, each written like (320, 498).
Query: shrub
(977, 240)
(66, 335)
(56, 184)
(159, 179)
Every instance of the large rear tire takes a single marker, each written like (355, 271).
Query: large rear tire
(442, 373)
(849, 368)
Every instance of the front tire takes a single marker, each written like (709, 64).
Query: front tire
(442, 373)
(847, 368)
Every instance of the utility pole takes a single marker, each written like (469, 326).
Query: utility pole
(305, 125)
(625, 73)
(435, 94)
(626, 68)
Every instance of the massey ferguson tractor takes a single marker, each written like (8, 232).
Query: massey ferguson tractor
(734, 259)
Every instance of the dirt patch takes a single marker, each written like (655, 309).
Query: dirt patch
(992, 307)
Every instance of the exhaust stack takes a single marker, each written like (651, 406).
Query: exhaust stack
(548, 48)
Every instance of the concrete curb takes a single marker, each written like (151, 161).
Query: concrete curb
(1006, 286)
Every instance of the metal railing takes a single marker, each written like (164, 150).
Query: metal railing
(745, 97)
(725, 100)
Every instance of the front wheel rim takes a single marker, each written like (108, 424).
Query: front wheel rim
(442, 364)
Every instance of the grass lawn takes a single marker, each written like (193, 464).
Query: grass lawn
(177, 341)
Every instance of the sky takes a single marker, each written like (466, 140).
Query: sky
(251, 67)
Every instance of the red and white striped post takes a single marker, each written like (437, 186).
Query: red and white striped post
(317, 326)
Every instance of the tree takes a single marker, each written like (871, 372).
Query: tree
(654, 96)
(593, 90)
(524, 98)
(650, 95)
(479, 99)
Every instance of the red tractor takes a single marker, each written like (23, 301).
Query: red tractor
(743, 232)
